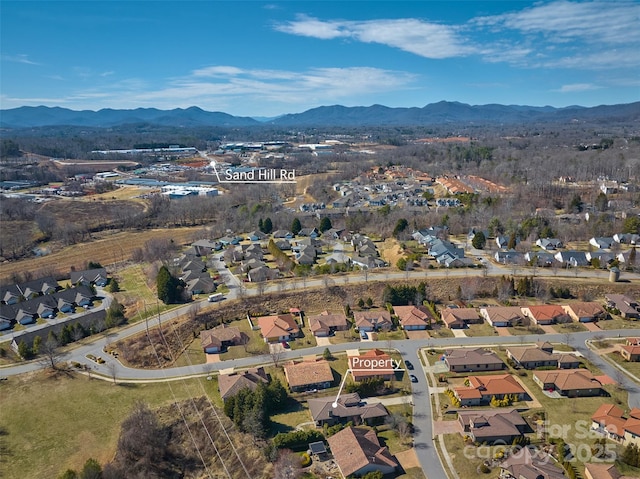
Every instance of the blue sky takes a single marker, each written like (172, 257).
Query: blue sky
(269, 58)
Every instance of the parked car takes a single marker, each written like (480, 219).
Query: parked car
(409, 365)
(285, 344)
(413, 378)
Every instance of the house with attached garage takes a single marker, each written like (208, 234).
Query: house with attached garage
(539, 258)
(280, 327)
(97, 276)
(549, 244)
(572, 258)
(472, 360)
(231, 384)
(609, 420)
(546, 314)
(357, 451)
(325, 324)
(569, 382)
(493, 425)
(509, 257)
(629, 308)
(585, 311)
(413, 318)
(602, 242)
(482, 389)
(541, 356)
(459, 318)
(502, 316)
(378, 320)
(349, 408)
(308, 375)
(216, 340)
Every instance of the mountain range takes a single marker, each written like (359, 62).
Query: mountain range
(336, 115)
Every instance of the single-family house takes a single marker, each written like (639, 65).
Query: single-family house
(569, 382)
(282, 234)
(601, 242)
(546, 314)
(253, 263)
(459, 318)
(629, 352)
(280, 327)
(601, 257)
(37, 287)
(531, 463)
(609, 420)
(358, 451)
(482, 389)
(257, 236)
(97, 276)
(326, 324)
(261, 274)
(549, 244)
(509, 257)
(493, 425)
(373, 320)
(372, 364)
(539, 258)
(216, 340)
(572, 258)
(602, 470)
(308, 375)
(629, 308)
(310, 232)
(626, 238)
(205, 247)
(472, 360)
(413, 317)
(502, 316)
(539, 356)
(349, 407)
(427, 235)
(201, 285)
(10, 294)
(502, 241)
(230, 384)
(585, 311)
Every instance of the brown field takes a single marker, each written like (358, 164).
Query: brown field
(110, 249)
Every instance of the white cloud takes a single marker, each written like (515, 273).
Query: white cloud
(577, 87)
(20, 58)
(426, 39)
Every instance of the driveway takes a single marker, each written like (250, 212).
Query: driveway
(592, 326)
(503, 331)
(323, 341)
(447, 427)
(458, 333)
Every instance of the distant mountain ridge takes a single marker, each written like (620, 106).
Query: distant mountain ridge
(335, 115)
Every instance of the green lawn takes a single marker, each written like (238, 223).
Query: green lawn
(296, 413)
(482, 329)
(524, 330)
(618, 323)
(465, 460)
(570, 328)
(57, 422)
(632, 367)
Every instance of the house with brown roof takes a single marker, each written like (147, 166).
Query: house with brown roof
(502, 316)
(531, 463)
(609, 420)
(472, 360)
(459, 318)
(585, 311)
(379, 320)
(230, 384)
(372, 364)
(493, 425)
(349, 408)
(219, 338)
(629, 308)
(629, 353)
(569, 382)
(540, 356)
(413, 317)
(600, 470)
(482, 389)
(546, 314)
(357, 451)
(326, 324)
(308, 375)
(280, 327)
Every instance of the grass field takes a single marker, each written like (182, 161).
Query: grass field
(107, 250)
(632, 367)
(618, 323)
(55, 422)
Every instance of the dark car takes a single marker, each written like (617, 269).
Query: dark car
(413, 378)
(285, 344)
(409, 365)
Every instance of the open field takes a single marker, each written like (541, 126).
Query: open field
(112, 248)
(632, 367)
(55, 422)
(618, 323)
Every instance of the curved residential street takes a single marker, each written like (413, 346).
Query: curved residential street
(408, 348)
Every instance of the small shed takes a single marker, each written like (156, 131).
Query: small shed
(317, 449)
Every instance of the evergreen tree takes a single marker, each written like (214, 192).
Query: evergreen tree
(91, 470)
(479, 240)
(267, 226)
(296, 226)
(168, 286)
(325, 224)
(261, 225)
(401, 226)
(114, 286)
(512, 241)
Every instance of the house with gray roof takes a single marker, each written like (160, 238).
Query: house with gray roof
(549, 244)
(472, 360)
(349, 408)
(572, 258)
(97, 276)
(231, 384)
(493, 425)
(601, 242)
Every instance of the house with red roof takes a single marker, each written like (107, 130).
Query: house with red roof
(372, 364)
(610, 421)
(482, 389)
(358, 451)
(281, 327)
(546, 314)
(413, 317)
